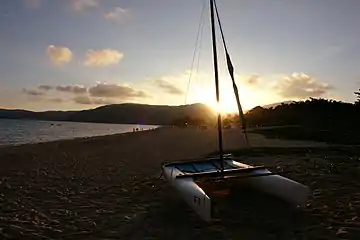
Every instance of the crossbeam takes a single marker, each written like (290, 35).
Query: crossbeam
(219, 173)
(251, 176)
(197, 160)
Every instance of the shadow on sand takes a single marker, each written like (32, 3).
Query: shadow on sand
(248, 214)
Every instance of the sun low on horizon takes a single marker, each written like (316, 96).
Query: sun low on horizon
(81, 54)
(203, 90)
(227, 102)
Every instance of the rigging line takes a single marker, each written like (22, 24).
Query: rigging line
(194, 53)
(231, 72)
(199, 57)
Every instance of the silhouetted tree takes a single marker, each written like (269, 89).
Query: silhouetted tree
(314, 113)
(357, 102)
(228, 121)
(313, 119)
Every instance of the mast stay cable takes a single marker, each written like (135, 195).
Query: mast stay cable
(198, 39)
(231, 72)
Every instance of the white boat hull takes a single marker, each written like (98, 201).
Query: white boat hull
(276, 185)
(286, 189)
(191, 193)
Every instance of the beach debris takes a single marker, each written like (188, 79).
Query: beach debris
(341, 230)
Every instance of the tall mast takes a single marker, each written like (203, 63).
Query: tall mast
(216, 84)
(231, 72)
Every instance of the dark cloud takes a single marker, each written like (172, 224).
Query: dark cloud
(76, 89)
(168, 87)
(116, 91)
(100, 94)
(34, 93)
(300, 85)
(57, 100)
(92, 100)
(45, 87)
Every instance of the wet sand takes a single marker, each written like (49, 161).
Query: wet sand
(108, 188)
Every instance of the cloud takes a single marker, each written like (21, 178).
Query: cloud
(249, 80)
(33, 93)
(168, 87)
(45, 87)
(301, 86)
(76, 89)
(118, 14)
(253, 80)
(98, 94)
(104, 57)
(56, 100)
(116, 91)
(58, 54)
(92, 100)
(181, 80)
(79, 5)
(41, 95)
(33, 4)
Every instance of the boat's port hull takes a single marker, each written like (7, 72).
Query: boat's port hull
(286, 189)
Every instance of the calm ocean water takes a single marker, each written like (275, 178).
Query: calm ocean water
(15, 132)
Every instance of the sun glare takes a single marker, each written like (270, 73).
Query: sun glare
(203, 91)
(227, 99)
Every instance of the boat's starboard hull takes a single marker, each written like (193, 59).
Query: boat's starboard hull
(191, 193)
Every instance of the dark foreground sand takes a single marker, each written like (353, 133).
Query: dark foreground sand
(107, 188)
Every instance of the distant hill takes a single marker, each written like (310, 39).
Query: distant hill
(127, 113)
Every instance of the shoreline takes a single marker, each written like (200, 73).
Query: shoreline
(134, 126)
(68, 140)
(161, 128)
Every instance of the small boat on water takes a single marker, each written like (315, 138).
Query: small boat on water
(198, 180)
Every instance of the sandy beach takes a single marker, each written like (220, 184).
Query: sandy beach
(108, 188)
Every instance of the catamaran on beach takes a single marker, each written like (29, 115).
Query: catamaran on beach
(194, 180)
(221, 182)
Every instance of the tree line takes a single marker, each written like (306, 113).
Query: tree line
(316, 113)
(313, 113)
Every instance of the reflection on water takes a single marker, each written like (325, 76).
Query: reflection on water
(15, 132)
